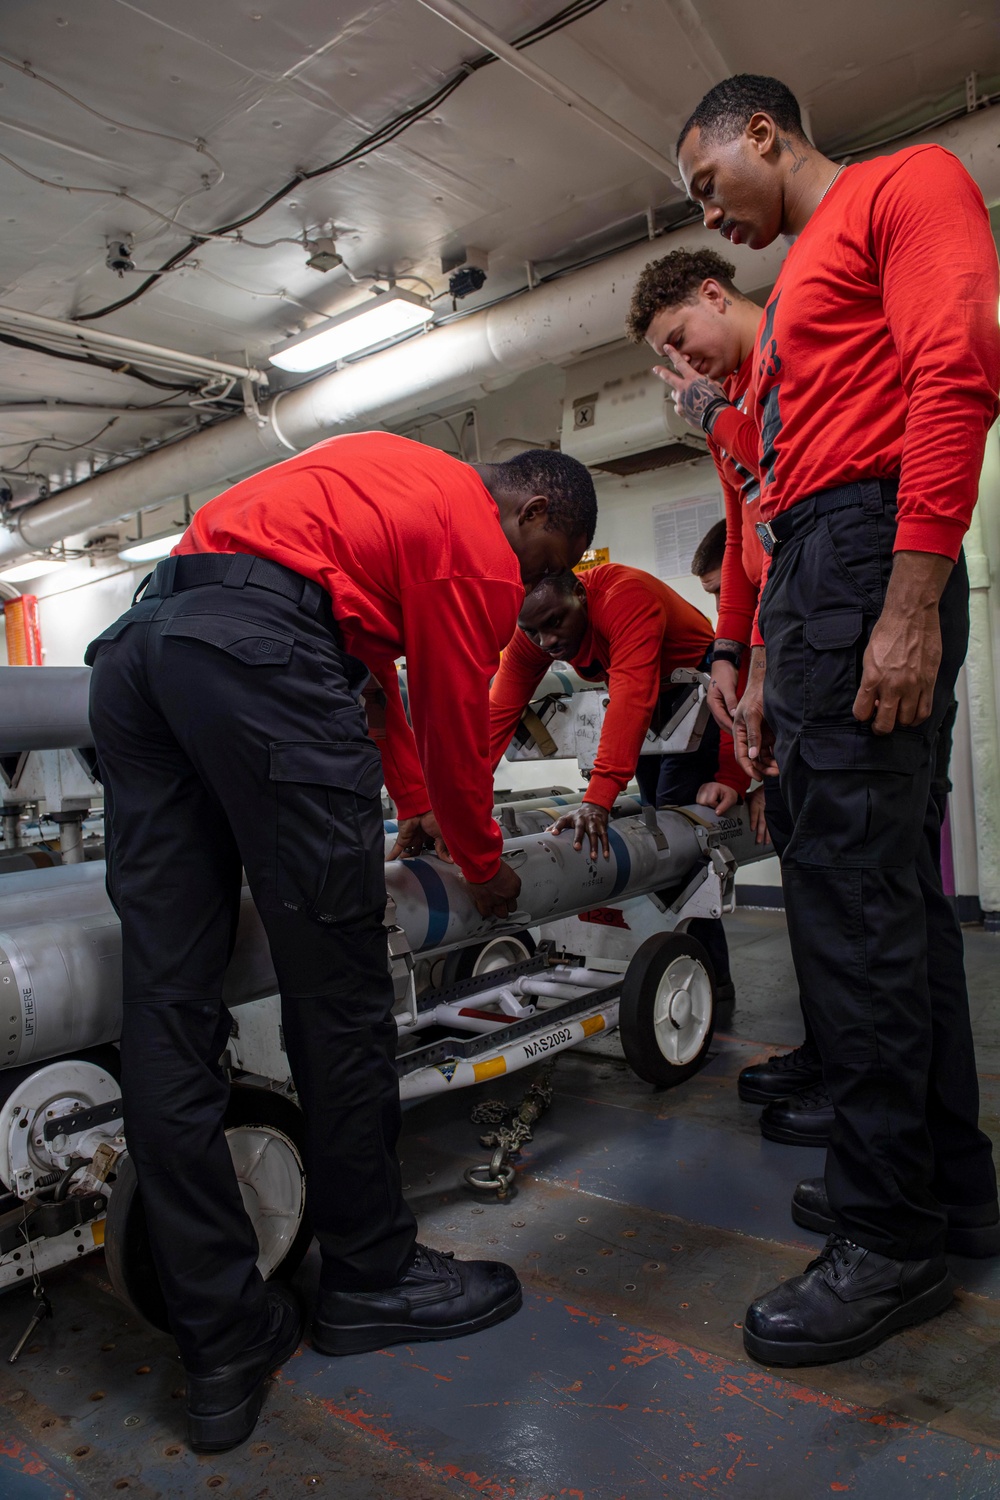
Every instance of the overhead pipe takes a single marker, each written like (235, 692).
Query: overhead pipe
(155, 356)
(552, 324)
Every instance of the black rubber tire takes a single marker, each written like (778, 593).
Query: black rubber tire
(127, 1251)
(461, 962)
(635, 1011)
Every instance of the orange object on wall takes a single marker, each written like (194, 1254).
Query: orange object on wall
(24, 638)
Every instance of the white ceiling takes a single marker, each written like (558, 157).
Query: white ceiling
(274, 85)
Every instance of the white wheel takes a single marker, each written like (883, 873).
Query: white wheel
(682, 1010)
(667, 1012)
(272, 1181)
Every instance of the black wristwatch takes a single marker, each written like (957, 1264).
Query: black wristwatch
(729, 656)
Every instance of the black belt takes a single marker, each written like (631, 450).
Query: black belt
(233, 570)
(870, 495)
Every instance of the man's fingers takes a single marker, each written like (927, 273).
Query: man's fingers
(721, 708)
(864, 703)
(884, 721)
(680, 363)
(740, 747)
(441, 850)
(668, 377)
(605, 842)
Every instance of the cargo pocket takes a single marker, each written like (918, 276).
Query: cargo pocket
(867, 811)
(144, 610)
(253, 644)
(329, 835)
(833, 650)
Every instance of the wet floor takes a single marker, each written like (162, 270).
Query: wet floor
(642, 1225)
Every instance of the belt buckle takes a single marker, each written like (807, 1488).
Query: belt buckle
(768, 540)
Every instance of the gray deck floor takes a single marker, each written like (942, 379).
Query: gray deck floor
(643, 1225)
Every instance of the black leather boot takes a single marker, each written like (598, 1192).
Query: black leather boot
(223, 1406)
(784, 1074)
(846, 1301)
(973, 1230)
(438, 1298)
(805, 1119)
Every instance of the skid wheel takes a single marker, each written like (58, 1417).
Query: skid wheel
(667, 1013)
(265, 1132)
(485, 958)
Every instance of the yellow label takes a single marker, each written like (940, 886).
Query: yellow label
(97, 1230)
(491, 1068)
(592, 1024)
(593, 558)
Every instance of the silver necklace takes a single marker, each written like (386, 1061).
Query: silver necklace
(829, 185)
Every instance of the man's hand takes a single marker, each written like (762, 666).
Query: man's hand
(722, 695)
(904, 652)
(414, 835)
(753, 736)
(496, 897)
(589, 820)
(697, 399)
(758, 820)
(716, 794)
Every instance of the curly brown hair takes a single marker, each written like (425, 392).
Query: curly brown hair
(676, 278)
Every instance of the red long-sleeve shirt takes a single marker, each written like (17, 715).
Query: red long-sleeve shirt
(735, 452)
(407, 541)
(879, 350)
(638, 631)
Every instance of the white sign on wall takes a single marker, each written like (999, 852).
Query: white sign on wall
(678, 527)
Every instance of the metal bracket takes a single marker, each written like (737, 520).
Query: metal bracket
(82, 1119)
(651, 821)
(250, 407)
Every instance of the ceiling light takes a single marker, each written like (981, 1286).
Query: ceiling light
(35, 567)
(150, 549)
(384, 316)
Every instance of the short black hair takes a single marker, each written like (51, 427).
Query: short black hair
(563, 585)
(710, 550)
(671, 280)
(726, 110)
(564, 481)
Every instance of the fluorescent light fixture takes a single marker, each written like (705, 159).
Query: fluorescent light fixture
(151, 549)
(36, 567)
(383, 317)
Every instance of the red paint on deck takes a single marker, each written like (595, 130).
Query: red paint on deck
(29, 1461)
(492, 1488)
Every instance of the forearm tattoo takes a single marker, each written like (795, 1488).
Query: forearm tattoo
(701, 401)
(734, 648)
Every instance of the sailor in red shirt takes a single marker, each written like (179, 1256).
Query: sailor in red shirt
(228, 719)
(873, 387)
(622, 626)
(686, 305)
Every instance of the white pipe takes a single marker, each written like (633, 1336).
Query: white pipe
(98, 338)
(979, 675)
(562, 319)
(471, 26)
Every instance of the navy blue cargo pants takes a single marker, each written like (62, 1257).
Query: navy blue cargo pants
(230, 734)
(877, 946)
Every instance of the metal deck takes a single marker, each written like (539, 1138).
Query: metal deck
(643, 1225)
